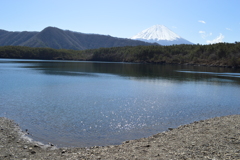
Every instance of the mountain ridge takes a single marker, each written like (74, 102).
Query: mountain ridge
(160, 34)
(53, 37)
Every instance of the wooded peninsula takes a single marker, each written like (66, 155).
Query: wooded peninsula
(220, 54)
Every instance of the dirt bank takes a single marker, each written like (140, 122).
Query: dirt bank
(217, 138)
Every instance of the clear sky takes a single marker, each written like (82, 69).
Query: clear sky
(199, 21)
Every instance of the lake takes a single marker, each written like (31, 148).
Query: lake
(82, 104)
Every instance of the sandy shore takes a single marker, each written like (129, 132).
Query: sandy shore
(216, 138)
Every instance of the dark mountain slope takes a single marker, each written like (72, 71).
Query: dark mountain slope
(52, 37)
(14, 38)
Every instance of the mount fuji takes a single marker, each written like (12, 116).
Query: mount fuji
(161, 35)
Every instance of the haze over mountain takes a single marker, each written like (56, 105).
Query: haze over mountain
(161, 35)
(56, 38)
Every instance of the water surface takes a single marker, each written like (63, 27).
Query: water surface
(71, 103)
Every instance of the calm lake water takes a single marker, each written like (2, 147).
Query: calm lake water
(70, 103)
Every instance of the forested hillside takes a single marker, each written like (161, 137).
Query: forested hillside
(52, 37)
(221, 54)
(21, 52)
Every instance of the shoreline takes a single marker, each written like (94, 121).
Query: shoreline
(216, 65)
(215, 138)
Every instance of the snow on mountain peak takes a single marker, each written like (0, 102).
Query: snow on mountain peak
(157, 33)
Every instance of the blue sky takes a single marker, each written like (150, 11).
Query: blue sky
(199, 21)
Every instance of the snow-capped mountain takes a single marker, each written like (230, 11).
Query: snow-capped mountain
(161, 35)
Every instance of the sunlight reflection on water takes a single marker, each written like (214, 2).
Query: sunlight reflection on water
(89, 103)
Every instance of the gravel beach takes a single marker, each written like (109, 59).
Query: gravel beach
(216, 138)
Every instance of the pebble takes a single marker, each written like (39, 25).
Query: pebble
(51, 144)
(35, 145)
(147, 145)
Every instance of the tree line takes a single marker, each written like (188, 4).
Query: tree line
(220, 54)
(21, 52)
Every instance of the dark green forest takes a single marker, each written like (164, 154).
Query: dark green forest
(21, 52)
(220, 54)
